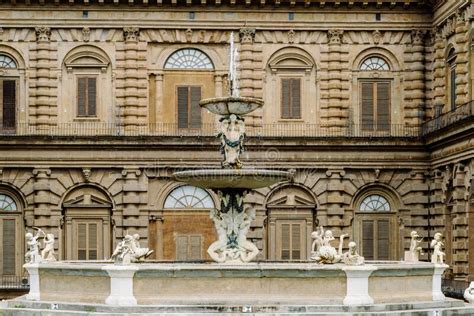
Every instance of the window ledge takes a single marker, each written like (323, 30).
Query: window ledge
(86, 119)
(291, 120)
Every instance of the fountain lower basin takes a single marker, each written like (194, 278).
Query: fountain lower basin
(243, 179)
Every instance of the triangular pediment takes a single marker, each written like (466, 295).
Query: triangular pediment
(291, 197)
(87, 200)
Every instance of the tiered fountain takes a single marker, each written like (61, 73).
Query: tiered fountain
(288, 287)
(232, 182)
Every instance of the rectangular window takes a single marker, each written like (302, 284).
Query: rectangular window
(87, 242)
(189, 111)
(375, 239)
(188, 247)
(8, 104)
(291, 241)
(8, 246)
(452, 91)
(86, 96)
(291, 98)
(375, 106)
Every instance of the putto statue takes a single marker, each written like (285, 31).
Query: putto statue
(413, 255)
(351, 257)
(232, 133)
(32, 254)
(438, 254)
(129, 250)
(469, 293)
(322, 251)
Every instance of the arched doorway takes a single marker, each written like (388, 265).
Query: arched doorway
(87, 225)
(291, 212)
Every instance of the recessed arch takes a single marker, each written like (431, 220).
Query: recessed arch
(189, 59)
(381, 189)
(187, 196)
(7, 62)
(377, 52)
(14, 54)
(374, 63)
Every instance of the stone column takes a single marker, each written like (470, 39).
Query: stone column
(414, 79)
(335, 199)
(462, 57)
(121, 285)
(336, 115)
(357, 292)
(439, 75)
(436, 285)
(42, 210)
(33, 272)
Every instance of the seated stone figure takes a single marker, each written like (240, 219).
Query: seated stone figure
(323, 252)
(129, 250)
(351, 257)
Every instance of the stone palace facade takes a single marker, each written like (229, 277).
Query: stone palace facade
(369, 103)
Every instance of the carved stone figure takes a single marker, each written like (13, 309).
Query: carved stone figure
(469, 293)
(351, 257)
(325, 253)
(48, 254)
(232, 225)
(232, 136)
(32, 244)
(129, 250)
(413, 255)
(438, 254)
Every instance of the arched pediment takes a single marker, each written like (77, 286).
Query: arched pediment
(291, 58)
(291, 197)
(86, 57)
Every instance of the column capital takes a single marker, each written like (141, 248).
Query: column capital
(43, 34)
(247, 35)
(131, 34)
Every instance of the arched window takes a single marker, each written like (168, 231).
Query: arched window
(375, 227)
(451, 80)
(374, 63)
(375, 203)
(10, 236)
(375, 97)
(7, 62)
(187, 196)
(189, 58)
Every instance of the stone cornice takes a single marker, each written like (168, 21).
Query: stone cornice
(232, 3)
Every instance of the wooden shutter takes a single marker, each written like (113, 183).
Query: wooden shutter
(295, 241)
(195, 109)
(92, 241)
(368, 239)
(9, 104)
(452, 93)
(383, 227)
(9, 246)
(181, 247)
(195, 247)
(291, 98)
(82, 241)
(367, 106)
(285, 241)
(183, 97)
(91, 96)
(81, 96)
(383, 106)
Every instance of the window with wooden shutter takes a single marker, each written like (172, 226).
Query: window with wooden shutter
(368, 251)
(291, 98)
(376, 239)
(189, 111)
(452, 85)
(188, 247)
(87, 241)
(8, 104)
(86, 96)
(375, 106)
(8, 246)
(291, 241)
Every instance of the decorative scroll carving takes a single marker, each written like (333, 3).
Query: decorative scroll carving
(335, 36)
(131, 33)
(247, 35)
(43, 34)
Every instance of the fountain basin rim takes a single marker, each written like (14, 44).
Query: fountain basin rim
(231, 105)
(232, 178)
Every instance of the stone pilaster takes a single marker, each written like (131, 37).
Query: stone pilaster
(439, 72)
(43, 81)
(132, 79)
(133, 200)
(335, 199)
(414, 87)
(41, 197)
(250, 60)
(336, 114)
(462, 58)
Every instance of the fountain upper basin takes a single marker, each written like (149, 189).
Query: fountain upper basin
(231, 105)
(232, 178)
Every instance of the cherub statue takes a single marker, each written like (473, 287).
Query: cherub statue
(232, 136)
(47, 254)
(129, 250)
(351, 257)
(469, 293)
(325, 253)
(32, 255)
(438, 254)
(138, 253)
(413, 254)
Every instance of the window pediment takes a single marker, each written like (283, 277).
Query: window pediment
(86, 200)
(86, 59)
(291, 62)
